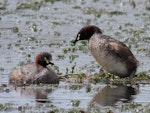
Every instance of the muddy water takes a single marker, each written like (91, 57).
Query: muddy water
(28, 27)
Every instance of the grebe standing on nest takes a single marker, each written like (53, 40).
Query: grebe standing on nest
(114, 56)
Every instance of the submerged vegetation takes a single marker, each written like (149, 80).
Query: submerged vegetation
(140, 78)
(33, 5)
(31, 26)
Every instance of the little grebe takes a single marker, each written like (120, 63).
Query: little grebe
(35, 72)
(114, 56)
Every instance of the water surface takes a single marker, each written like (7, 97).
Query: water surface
(32, 26)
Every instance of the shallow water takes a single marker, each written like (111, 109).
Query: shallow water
(45, 26)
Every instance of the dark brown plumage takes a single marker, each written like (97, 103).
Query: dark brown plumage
(114, 56)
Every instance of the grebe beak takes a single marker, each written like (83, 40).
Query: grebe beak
(47, 61)
(77, 39)
(51, 63)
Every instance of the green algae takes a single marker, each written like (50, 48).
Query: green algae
(140, 78)
(72, 43)
(136, 37)
(72, 57)
(15, 29)
(2, 69)
(52, 1)
(76, 7)
(148, 8)
(56, 33)
(88, 88)
(32, 5)
(3, 5)
(99, 12)
(84, 42)
(133, 107)
(116, 13)
(57, 69)
(62, 56)
(9, 46)
(95, 12)
(75, 103)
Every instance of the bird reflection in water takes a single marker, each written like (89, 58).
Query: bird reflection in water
(110, 95)
(38, 93)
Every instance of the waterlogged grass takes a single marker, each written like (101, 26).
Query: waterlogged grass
(140, 78)
(76, 79)
(77, 82)
(32, 5)
(3, 5)
(50, 108)
(99, 12)
(10, 107)
(135, 107)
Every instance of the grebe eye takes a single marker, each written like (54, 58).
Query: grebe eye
(78, 37)
(46, 60)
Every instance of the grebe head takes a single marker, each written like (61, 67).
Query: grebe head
(43, 59)
(86, 32)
